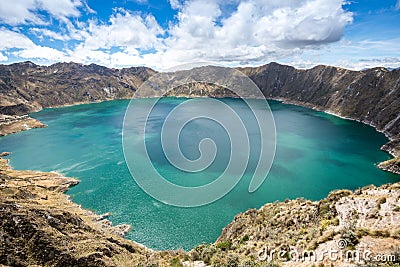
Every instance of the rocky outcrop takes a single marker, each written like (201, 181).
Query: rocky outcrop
(200, 89)
(14, 124)
(392, 165)
(366, 221)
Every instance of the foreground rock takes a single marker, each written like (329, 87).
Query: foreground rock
(360, 228)
(392, 165)
(40, 226)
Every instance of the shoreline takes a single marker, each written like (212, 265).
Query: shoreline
(21, 125)
(391, 165)
(58, 231)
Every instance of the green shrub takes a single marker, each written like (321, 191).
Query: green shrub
(381, 201)
(245, 238)
(175, 262)
(224, 245)
(362, 232)
(381, 233)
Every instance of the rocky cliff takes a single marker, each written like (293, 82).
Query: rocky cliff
(371, 96)
(360, 228)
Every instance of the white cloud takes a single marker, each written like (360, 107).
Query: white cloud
(397, 7)
(11, 39)
(391, 63)
(15, 12)
(43, 33)
(257, 31)
(41, 52)
(3, 57)
(139, 1)
(26, 49)
(18, 12)
(175, 4)
(123, 30)
(61, 9)
(82, 55)
(253, 32)
(360, 64)
(351, 55)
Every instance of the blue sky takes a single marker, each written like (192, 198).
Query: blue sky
(161, 34)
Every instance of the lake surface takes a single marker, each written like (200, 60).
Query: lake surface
(316, 153)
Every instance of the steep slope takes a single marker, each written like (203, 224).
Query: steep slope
(40, 226)
(360, 228)
(371, 96)
(26, 87)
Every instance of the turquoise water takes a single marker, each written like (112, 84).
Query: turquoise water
(316, 153)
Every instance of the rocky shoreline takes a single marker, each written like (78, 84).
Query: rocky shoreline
(41, 226)
(366, 221)
(15, 124)
(392, 146)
